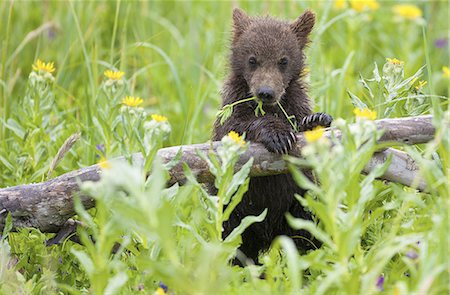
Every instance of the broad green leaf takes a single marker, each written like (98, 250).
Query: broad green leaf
(84, 259)
(15, 127)
(298, 223)
(116, 283)
(245, 223)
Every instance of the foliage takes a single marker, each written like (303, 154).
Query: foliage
(108, 69)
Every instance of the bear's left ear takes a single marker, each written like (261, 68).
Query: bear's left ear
(303, 26)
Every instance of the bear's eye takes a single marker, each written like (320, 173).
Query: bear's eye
(252, 61)
(283, 61)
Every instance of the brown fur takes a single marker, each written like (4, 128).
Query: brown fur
(266, 61)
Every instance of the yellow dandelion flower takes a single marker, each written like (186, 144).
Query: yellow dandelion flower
(394, 61)
(114, 75)
(446, 71)
(160, 291)
(365, 113)
(339, 4)
(103, 163)
(159, 118)
(236, 138)
(396, 291)
(132, 101)
(421, 84)
(361, 5)
(408, 11)
(44, 67)
(314, 135)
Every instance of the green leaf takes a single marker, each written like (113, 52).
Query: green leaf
(174, 161)
(116, 283)
(245, 223)
(100, 128)
(293, 262)
(8, 226)
(85, 261)
(6, 163)
(376, 73)
(238, 179)
(298, 223)
(356, 101)
(302, 180)
(236, 199)
(365, 85)
(15, 127)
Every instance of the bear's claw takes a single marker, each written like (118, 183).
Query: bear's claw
(278, 141)
(314, 120)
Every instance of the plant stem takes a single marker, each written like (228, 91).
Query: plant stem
(287, 117)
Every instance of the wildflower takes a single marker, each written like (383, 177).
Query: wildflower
(411, 254)
(41, 66)
(157, 127)
(380, 283)
(408, 11)
(132, 101)
(421, 84)
(441, 43)
(361, 5)
(365, 113)
(236, 138)
(114, 75)
(100, 147)
(394, 61)
(103, 163)
(314, 135)
(393, 72)
(163, 286)
(446, 71)
(160, 291)
(339, 4)
(159, 118)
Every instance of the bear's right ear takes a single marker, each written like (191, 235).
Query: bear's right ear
(303, 25)
(241, 21)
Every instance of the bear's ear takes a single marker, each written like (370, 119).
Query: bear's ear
(241, 21)
(303, 25)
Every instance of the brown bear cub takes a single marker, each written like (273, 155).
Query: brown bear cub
(267, 61)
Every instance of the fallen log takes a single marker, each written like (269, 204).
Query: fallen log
(48, 205)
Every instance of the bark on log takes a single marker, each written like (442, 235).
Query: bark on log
(48, 205)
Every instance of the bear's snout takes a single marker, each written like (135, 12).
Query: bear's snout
(266, 94)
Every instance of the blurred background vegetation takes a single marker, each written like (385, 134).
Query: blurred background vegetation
(175, 52)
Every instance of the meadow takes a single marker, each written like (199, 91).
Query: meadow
(167, 61)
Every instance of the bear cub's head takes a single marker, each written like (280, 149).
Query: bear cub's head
(268, 53)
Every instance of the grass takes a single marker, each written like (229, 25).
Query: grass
(174, 54)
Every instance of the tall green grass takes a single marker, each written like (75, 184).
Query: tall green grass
(174, 54)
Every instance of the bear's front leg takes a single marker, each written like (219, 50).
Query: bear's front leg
(276, 135)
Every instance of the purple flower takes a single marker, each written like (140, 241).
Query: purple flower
(380, 283)
(100, 147)
(441, 42)
(163, 286)
(411, 254)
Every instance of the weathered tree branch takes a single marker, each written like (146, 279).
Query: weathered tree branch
(48, 205)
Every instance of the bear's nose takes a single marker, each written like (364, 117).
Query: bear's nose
(265, 93)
